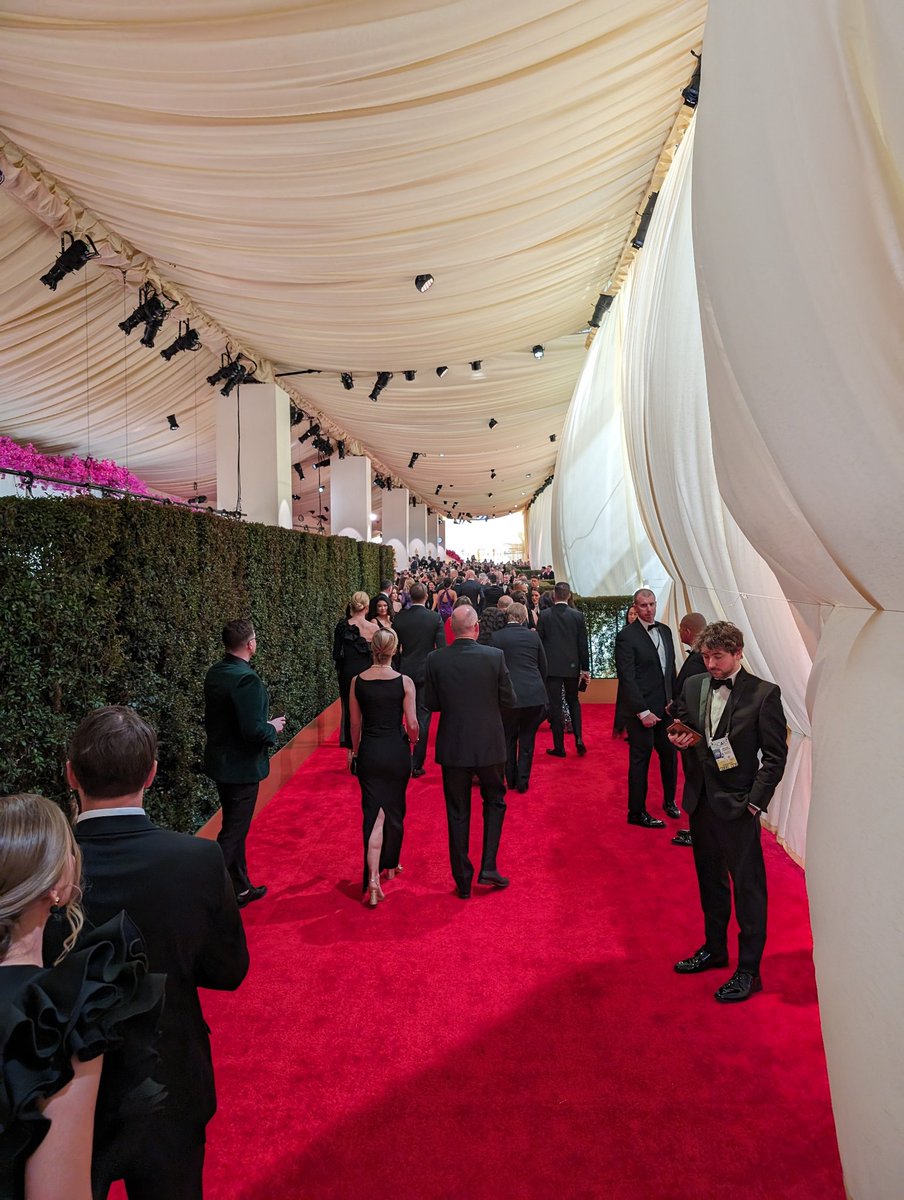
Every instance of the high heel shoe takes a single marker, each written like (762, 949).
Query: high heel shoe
(393, 871)
(374, 894)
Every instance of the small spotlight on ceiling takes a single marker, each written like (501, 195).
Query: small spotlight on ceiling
(638, 240)
(477, 365)
(321, 462)
(188, 339)
(441, 371)
(197, 500)
(423, 283)
(414, 457)
(295, 496)
(296, 416)
(493, 473)
(439, 488)
(537, 351)
(603, 304)
(312, 430)
(340, 446)
(492, 422)
(374, 517)
(70, 258)
(691, 93)
(380, 383)
(150, 311)
(489, 494)
(298, 469)
(173, 423)
(348, 380)
(321, 488)
(552, 437)
(409, 375)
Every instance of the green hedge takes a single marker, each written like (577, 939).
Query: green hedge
(605, 616)
(122, 602)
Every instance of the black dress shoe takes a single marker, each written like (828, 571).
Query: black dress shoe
(417, 772)
(522, 788)
(493, 879)
(253, 893)
(581, 749)
(741, 986)
(644, 819)
(701, 961)
(682, 838)
(463, 895)
(556, 753)
(671, 810)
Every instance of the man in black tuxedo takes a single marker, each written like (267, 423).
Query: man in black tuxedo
(526, 662)
(239, 736)
(689, 629)
(493, 591)
(420, 631)
(734, 769)
(177, 891)
(563, 632)
(469, 686)
(471, 588)
(645, 664)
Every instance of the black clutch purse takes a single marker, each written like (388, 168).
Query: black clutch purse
(582, 684)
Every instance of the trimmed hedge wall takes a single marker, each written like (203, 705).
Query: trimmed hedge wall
(605, 616)
(122, 602)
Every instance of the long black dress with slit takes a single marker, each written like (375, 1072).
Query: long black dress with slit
(384, 764)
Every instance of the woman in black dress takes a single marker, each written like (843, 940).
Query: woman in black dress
(57, 1023)
(384, 727)
(351, 654)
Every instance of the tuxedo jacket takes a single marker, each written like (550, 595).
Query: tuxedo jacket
(526, 662)
(469, 685)
(472, 589)
(420, 631)
(563, 632)
(641, 681)
(236, 707)
(692, 665)
(176, 890)
(754, 723)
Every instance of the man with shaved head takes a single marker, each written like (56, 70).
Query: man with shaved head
(469, 685)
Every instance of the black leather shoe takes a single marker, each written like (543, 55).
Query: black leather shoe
(417, 772)
(703, 960)
(682, 838)
(522, 788)
(644, 819)
(671, 810)
(581, 749)
(493, 879)
(556, 753)
(253, 893)
(463, 895)
(741, 986)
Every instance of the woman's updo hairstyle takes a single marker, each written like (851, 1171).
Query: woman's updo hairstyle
(359, 601)
(383, 646)
(37, 851)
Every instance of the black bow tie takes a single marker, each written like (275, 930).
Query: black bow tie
(727, 683)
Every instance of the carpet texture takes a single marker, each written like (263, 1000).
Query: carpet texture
(525, 1044)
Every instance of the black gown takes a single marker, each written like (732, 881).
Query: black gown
(351, 654)
(98, 1000)
(384, 764)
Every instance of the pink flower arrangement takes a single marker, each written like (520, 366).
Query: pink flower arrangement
(101, 472)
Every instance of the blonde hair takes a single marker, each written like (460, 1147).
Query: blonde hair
(517, 612)
(359, 601)
(383, 646)
(37, 848)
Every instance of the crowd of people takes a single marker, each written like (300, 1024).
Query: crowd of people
(109, 924)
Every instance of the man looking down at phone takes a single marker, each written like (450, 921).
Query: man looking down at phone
(735, 725)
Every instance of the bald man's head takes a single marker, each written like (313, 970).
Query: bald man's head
(464, 621)
(692, 624)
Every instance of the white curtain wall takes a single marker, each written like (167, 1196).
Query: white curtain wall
(539, 530)
(799, 232)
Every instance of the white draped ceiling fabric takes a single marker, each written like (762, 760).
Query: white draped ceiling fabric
(799, 232)
(539, 530)
(284, 172)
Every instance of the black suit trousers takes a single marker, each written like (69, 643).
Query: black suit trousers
(724, 849)
(457, 791)
(521, 725)
(159, 1155)
(237, 801)
(554, 685)
(642, 742)
(419, 754)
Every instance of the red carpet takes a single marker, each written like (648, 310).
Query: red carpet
(524, 1045)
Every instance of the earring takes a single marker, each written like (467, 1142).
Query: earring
(55, 903)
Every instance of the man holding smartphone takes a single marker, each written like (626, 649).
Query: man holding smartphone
(738, 748)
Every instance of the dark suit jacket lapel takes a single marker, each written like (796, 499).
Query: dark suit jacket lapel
(705, 689)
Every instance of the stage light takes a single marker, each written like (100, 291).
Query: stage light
(552, 437)
(414, 457)
(489, 494)
(380, 383)
(321, 462)
(691, 93)
(603, 304)
(321, 488)
(197, 500)
(492, 422)
(439, 488)
(477, 365)
(638, 240)
(70, 258)
(537, 351)
(298, 469)
(173, 423)
(295, 496)
(312, 431)
(150, 311)
(409, 375)
(423, 283)
(296, 416)
(340, 446)
(441, 371)
(348, 380)
(188, 339)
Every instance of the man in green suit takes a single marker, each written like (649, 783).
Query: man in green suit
(238, 738)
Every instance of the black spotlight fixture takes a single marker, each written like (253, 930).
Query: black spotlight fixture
(691, 93)
(295, 496)
(173, 423)
(340, 446)
(409, 375)
(441, 371)
(296, 416)
(380, 383)
(492, 422)
(537, 351)
(423, 283)
(493, 473)
(298, 469)
(489, 494)
(321, 488)
(603, 304)
(348, 380)
(312, 431)
(415, 455)
(638, 239)
(439, 488)
(197, 500)
(552, 437)
(321, 462)
(188, 339)
(476, 365)
(150, 311)
(70, 258)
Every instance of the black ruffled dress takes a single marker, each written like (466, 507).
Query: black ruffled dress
(98, 1000)
(351, 654)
